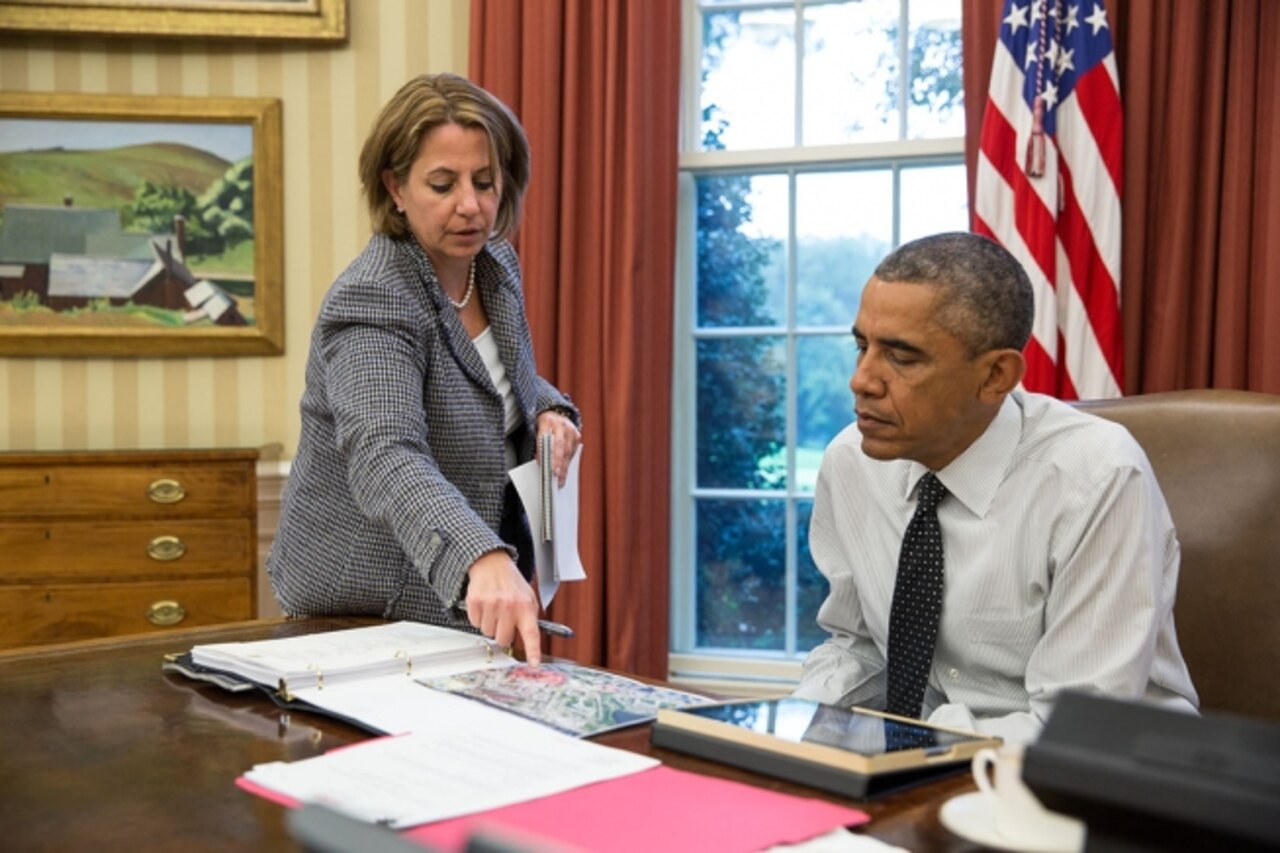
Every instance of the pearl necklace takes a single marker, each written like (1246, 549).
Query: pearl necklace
(471, 288)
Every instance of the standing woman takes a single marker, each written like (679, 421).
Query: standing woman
(421, 391)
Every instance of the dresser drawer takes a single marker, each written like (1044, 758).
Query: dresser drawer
(154, 489)
(56, 613)
(124, 550)
(110, 542)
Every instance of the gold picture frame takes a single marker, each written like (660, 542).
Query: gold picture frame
(136, 226)
(302, 20)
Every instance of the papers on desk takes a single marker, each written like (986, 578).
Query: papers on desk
(460, 760)
(553, 516)
(664, 809)
(657, 809)
(469, 758)
(386, 678)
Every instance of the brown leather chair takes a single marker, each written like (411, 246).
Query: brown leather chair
(1216, 454)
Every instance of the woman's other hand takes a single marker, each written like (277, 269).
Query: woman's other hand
(503, 605)
(567, 439)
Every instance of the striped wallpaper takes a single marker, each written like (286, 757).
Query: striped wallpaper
(330, 95)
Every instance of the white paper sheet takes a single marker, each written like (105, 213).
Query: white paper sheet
(394, 704)
(557, 560)
(470, 759)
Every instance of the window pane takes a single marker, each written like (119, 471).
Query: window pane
(748, 59)
(824, 404)
(934, 199)
(844, 227)
(782, 250)
(851, 72)
(936, 103)
(811, 586)
(741, 412)
(741, 574)
(742, 226)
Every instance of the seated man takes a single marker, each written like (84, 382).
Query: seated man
(1052, 557)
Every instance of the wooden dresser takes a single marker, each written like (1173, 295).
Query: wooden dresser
(96, 544)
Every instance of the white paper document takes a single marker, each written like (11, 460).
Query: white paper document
(555, 556)
(470, 758)
(392, 704)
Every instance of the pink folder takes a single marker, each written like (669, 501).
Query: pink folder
(657, 809)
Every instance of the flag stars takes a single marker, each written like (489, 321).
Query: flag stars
(1097, 20)
(1017, 17)
(1051, 54)
(1073, 18)
(1063, 62)
(1050, 95)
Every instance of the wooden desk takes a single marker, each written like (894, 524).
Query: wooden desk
(102, 750)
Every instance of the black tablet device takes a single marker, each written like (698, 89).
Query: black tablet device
(851, 751)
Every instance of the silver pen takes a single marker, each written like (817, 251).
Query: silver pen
(555, 629)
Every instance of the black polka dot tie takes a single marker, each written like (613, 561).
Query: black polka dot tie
(917, 603)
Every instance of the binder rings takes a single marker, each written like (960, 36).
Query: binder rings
(281, 669)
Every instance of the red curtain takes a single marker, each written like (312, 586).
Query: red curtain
(1200, 267)
(596, 85)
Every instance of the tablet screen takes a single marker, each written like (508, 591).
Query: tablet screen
(799, 720)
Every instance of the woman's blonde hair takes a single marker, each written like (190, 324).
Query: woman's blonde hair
(423, 104)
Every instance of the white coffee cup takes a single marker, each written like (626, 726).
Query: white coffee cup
(1020, 819)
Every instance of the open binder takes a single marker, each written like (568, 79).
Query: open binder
(390, 679)
(294, 671)
(296, 663)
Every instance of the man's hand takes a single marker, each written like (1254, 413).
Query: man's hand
(503, 605)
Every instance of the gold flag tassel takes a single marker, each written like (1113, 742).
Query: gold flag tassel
(1035, 143)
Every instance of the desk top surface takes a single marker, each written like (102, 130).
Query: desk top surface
(101, 749)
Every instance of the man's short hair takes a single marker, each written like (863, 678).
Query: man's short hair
(986, 296)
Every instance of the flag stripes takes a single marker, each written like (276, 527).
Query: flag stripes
(1063, 225)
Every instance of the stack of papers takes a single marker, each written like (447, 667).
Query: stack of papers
(553, 514)
(477, 735)
(469, 758)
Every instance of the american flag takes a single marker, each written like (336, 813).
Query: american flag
(1048, 187)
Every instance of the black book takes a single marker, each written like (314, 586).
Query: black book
(1143, 777)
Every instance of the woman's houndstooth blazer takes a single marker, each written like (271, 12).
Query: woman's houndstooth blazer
(399, 481)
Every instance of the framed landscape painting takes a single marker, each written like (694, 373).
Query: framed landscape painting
(140, 226)
(302, 20)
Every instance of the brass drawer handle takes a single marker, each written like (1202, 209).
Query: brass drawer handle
(166, 491)
(166, 613)
(166, 548)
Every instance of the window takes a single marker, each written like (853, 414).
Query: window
(817, 136)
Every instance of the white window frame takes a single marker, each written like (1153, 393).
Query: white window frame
(731, 671)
